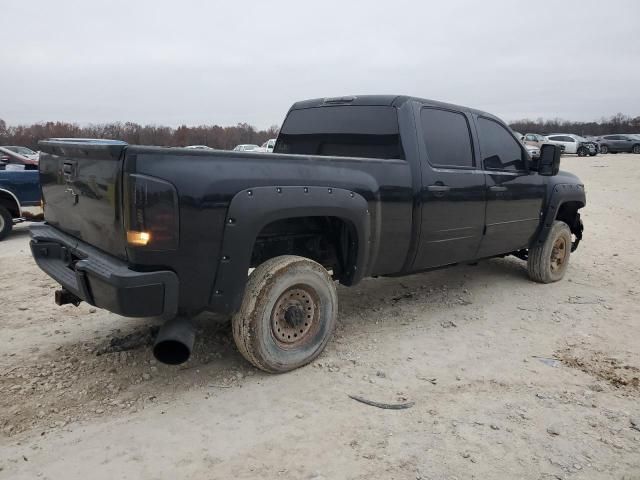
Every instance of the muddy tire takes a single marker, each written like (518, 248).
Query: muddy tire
(548, 262)
(288, 314)
(6, 222)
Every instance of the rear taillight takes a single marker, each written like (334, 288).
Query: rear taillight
(151, 213)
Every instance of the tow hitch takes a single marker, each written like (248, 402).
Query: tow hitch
(65, 297)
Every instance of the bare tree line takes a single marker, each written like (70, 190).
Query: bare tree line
(226, 138)
(618, 123)
(213, 136)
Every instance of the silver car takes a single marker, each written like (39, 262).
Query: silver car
(23, 151)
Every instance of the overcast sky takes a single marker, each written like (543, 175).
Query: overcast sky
(194, 62)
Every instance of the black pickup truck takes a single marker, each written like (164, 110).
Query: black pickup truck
(356, 187)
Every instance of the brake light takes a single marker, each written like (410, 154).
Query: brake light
(138, 239)
(151, 213)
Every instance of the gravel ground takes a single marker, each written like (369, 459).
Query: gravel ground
(509, 379)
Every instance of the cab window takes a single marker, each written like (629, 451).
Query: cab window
(447, 138)
(342, 131)
(500, 151)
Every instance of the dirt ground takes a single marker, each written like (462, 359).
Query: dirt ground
(510, 379)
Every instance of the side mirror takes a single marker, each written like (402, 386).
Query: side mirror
(549, 163)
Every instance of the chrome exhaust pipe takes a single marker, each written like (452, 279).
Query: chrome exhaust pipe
(174, 342)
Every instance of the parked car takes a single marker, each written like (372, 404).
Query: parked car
(534, 139)
(247, 147)
(11, 160)
(534, 151)
(23, 151)
(268, 145)
(619, 143)
(434, 185)
(19, 198)
(573, 144)
(199, 147)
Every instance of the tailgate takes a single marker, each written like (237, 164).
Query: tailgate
(81, 184)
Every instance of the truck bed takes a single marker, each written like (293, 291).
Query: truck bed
(82, 185)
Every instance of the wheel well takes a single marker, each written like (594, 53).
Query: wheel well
(330, 241)
(568, 213)
(8, 202)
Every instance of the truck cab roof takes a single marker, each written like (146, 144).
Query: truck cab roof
(381, 100)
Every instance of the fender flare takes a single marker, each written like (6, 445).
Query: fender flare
(15, 199)
(562, 193)
(252, 209)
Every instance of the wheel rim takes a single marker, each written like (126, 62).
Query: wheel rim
(558, 254)
(2, 224)
(295, 316)
(636, 149)
(603, 149)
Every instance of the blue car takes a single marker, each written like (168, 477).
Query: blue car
(20, 197)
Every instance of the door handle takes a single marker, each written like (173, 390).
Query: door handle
(496, 188)
(438, 190)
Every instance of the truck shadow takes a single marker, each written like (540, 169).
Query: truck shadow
(97, 374)
(441, 289)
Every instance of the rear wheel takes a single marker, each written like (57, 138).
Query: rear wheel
(288, 314)
(6, 222)
(636, 149)
(604, 149)
(548, 262)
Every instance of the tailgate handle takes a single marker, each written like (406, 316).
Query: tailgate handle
(67, 168)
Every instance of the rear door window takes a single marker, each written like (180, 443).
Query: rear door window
(500, 151)
(342, 131)
(447, 138)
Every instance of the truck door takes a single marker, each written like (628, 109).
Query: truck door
(514, 194)
(452, 195)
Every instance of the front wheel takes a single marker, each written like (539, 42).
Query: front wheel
(6, 222)
(604, 149)
(288, 314)
(582, 152)
(636, 149)
(548, 262)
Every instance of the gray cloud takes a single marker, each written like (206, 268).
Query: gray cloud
(224, 62)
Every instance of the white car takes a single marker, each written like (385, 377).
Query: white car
(247, 147)
(573, 144)
(268, 145)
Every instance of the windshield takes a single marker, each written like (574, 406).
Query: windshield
(21, 150)
(24, 151)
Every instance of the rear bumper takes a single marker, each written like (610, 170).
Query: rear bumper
(102, 280)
